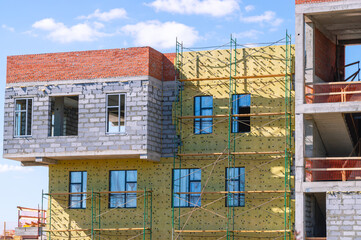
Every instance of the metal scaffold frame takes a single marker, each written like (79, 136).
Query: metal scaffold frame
(230, 152)
(95, 231)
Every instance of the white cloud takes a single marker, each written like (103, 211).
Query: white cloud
(11, 29)
(161, 35)
(4, 168)
(115, 13)
(58, 32)
(267, 18)
(251, 34)
(249, 8)
(216, 8)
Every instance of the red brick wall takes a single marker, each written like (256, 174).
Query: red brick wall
(325, 57)
(314, 1)
(86, 65)
(168, 66)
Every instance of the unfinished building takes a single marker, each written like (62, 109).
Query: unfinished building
(328, 114)
(145, 145)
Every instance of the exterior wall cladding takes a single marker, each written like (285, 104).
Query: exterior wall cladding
(141, 73)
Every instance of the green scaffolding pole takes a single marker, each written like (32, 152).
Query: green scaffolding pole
(50, 198)
(178, 127)
(288, 145)
(231, 159)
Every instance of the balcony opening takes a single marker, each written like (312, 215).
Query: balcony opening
(64, 116)
(333, 147)
(336, 68)
(315, 215)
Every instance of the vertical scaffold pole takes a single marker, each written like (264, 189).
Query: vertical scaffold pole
(145, 212)
(151, 214)
(99, 211)
(230, 205)
(288, 145)
(50, 198)
(40, 225)
(92, 215)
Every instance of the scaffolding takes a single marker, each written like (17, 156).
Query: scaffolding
(95, 228)
(231, 228)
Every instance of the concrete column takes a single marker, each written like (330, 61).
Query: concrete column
(299, 126)
(58, 116)
(300, 60)
(299, 176)
(310, 52)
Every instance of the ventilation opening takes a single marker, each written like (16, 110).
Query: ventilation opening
(64, 116)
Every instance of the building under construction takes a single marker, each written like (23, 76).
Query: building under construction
(145, 145)
(327, 154)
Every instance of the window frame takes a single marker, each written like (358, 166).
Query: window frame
(106, 112)
(241, 196)
(82, 196)
(125, 187)
(188, 196)
(26, 119)
(234, 122)
(202, 120)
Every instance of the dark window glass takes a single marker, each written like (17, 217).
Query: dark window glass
(78, 182)
(186, 181)
(241, 104)
(23, 117)
(115, 113)
(203, 106)
(123, 181)
(235, 182)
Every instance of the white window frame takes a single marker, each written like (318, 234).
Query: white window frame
(125, 112)
(26, 119)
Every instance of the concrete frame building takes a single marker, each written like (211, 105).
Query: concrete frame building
(328, 199)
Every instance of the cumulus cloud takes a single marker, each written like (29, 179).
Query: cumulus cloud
(58, 32)
(249, 8)
(161, 35)
(251, 34)
(6, 27)
(215, 8)
(267, 18)
(112, 14)
(5, 168)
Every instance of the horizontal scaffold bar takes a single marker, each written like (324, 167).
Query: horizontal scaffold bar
(331, 169)
(122, 192)
(29, 217)
(235, 231)
(120, 229)
(333, 93)
(30, 209)
(226, 192)
(232, 153)
(235, 115)
(331, 83)
(234, 77)
(332, 158)
(106, 192)
(68, 230)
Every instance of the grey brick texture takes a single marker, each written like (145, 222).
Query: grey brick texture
(343, 215)
(149, 131)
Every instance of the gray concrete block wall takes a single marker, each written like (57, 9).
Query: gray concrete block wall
(144, 118)
(168, 128)
(343, 217)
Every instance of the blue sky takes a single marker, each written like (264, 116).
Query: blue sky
(40, 26)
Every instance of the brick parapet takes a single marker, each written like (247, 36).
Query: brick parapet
(141, 61)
